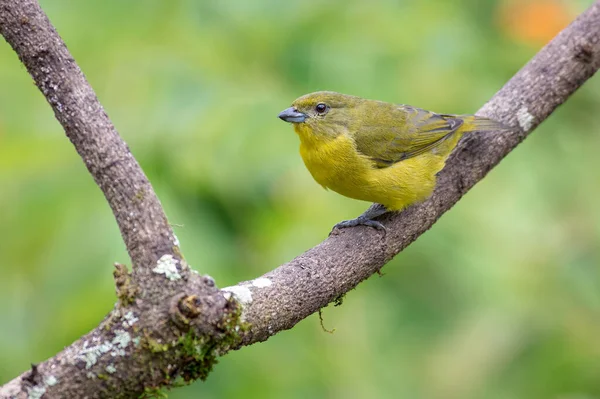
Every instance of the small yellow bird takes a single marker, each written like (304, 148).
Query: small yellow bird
(375, 151)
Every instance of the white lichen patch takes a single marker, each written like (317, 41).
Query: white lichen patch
(111, 369)
(175, 240)
(136, 341)
(525, 119)
(241, 293)
(36, 392)
(116, 347)
(167, 265)
(117, 352)
(90, 355)
(261, 282)
(51, 380)
(121, 340)
(129, 319)
(91, 375)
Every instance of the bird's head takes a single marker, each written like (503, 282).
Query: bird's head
(321, 114)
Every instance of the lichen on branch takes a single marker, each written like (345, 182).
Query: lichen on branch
(170, 323)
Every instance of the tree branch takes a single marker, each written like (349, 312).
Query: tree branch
(139, 214)
(148, 338)
(299, 288)
(171, 323)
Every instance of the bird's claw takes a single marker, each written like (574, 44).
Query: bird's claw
(361, 220)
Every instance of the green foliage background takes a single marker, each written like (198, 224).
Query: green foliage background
(501, 299)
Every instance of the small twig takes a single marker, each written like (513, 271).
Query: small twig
(323, 325)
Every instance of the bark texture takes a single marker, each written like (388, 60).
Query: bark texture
(170, 324)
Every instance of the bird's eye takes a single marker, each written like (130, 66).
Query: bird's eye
(321, 108)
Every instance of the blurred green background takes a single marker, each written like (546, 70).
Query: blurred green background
(501, 299)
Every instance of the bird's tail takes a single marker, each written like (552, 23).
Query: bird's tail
(474, 123)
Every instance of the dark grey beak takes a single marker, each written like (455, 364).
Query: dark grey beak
(292, 115)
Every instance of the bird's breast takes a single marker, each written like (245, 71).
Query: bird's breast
(334, 163)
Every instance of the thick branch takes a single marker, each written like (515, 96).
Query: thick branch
(299, 288)
(163, 328)
(139, 214)
(169, 322)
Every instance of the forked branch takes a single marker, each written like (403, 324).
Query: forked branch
(171, 323)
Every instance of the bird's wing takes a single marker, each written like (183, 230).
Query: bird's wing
(405, 133)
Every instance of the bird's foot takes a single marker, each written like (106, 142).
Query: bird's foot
(366, 219)
(360, 221)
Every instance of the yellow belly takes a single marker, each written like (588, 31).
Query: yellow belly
(335, 164)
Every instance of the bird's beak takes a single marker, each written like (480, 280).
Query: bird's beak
(292, 115)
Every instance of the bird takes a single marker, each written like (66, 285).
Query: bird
(388, 154)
